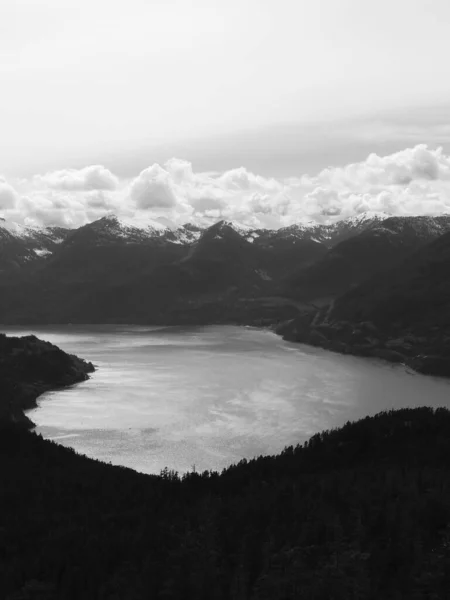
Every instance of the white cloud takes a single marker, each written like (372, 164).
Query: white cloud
(98, 199)
(415, 181)
(241, 179)
(8, 195)
(400, 168)
(94, 177)
(180, 170)
(53, 209)
(153, 188)
(208, 203)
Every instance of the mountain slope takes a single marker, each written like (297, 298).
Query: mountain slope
(20, 245)
(401, 314)
(356, 259)
(416, 294)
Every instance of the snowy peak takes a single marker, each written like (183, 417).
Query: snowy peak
(322, 233)
(423, 226)
(225, 230)
(20, 244)
(112, 229)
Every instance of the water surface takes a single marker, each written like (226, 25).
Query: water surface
(209, 396)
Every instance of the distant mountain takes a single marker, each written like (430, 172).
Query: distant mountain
(20, 245)
(207, 283)
(381, 245)
(112, 230)
(327, 234)
(119, 270)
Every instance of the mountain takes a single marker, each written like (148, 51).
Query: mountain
(111, 270)
(401, 314)
(327, 234)
(381, 245)
(218, 278)
(413, 295)
(112, 230)
(116, 270)
(20, 245)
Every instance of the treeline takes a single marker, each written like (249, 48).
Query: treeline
(361, 512)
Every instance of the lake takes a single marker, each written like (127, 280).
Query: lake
(209, 396)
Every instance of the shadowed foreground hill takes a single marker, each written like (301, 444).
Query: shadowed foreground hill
(360, 512)
(30, 366)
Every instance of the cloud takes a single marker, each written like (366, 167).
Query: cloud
(400, 168)
(94, 177)
(204, 204)
(53, 209)
(323, 201)
(415, 181)
(153, 188)
(180, 170)
(97, 199)
(241, 179)
(8, 195)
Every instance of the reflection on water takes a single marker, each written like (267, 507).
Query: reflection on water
(209, 396)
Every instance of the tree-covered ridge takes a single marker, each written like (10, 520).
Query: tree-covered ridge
(402, 314)
(358, 512)
(30, 366)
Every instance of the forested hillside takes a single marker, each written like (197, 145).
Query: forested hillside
(30, 366)
(360, 512)
(401, 314)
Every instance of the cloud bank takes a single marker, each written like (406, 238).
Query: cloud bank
(415, 181)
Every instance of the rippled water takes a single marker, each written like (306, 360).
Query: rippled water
(209, 396)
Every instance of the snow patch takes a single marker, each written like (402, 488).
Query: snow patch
(42, 251)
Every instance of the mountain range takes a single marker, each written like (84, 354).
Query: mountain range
(392, 272)
(117, 270)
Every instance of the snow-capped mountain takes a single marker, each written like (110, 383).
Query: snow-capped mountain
(422, 227)
(112, 229)
(328, 234)
(20, 244)
(125, 270)
(355, 255)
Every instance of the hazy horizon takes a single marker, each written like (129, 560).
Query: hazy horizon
(266, 112)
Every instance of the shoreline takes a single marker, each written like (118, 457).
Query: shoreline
(366, 341)
(29, 367)
(29, 394)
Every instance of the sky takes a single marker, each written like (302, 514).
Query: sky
(202, 109)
